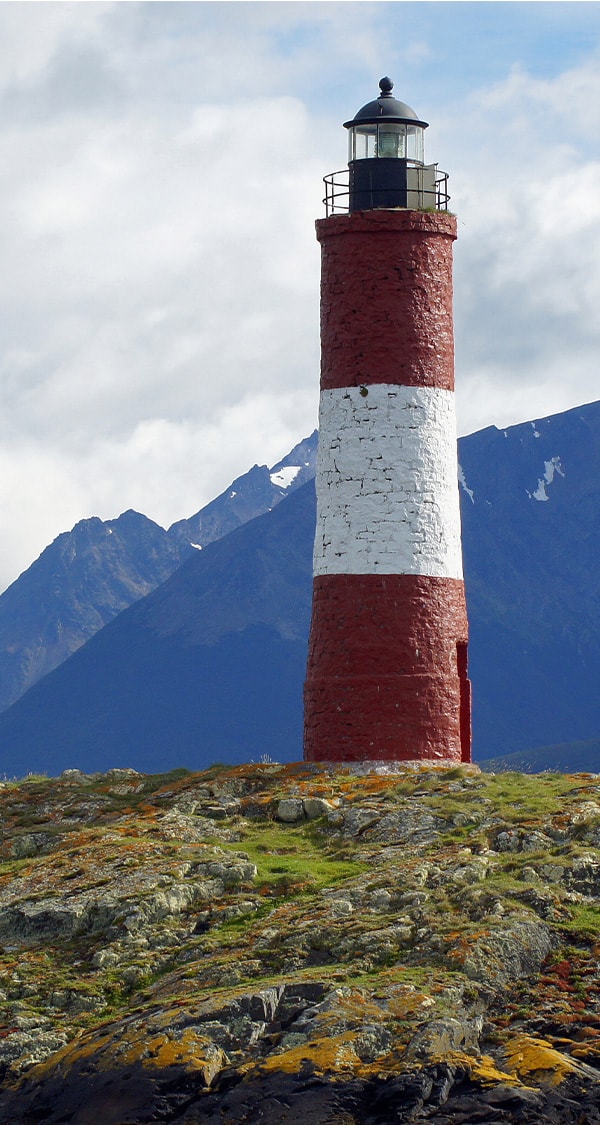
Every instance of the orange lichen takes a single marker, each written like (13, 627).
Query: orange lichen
(357, 1003)
(537, 1060)
(587, 1052)
(406, 1003)
(190, 1050)
(332, 1055)
(481, 1068)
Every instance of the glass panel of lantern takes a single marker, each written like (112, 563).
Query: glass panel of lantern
(415, 147)
(362, 142)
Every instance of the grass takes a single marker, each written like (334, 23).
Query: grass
(585, 921)
(244, 921)
(14, 866)
(286, 855)
(513, 793)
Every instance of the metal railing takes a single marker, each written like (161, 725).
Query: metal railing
(337, 193)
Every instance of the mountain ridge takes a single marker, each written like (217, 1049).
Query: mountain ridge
(145, 682)
(210, 666)
(87, 576)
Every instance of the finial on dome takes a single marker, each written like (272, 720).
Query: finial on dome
(386, 86)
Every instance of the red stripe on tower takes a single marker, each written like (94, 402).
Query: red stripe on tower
(387, 664)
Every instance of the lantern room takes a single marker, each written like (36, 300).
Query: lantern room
(385, 129)
(386, 161)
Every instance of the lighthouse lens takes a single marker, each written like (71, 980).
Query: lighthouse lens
(391, 141)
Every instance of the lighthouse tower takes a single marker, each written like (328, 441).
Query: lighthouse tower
(387, 665)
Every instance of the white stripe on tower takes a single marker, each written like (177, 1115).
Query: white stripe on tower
(387, 498)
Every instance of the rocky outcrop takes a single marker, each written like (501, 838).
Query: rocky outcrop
(297, 943)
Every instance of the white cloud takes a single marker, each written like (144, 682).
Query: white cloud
(33, 33)
(160, 173)
(527, 279)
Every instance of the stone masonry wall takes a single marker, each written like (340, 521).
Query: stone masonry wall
(387, 665)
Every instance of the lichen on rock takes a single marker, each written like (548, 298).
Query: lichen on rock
(303, 942)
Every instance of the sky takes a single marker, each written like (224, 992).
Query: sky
(161, 170)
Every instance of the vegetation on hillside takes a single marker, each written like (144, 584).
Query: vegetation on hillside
(390, 942)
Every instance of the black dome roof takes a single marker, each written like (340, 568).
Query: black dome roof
(387, 107)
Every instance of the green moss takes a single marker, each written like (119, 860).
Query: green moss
(14, 866)
(288, 854)
(537, 795)
(584, 921)
(245, 921)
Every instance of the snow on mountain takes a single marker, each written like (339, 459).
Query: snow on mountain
(257, 491)
(285, 477)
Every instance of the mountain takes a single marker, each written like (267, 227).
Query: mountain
(574, 757)
(209, 667)
(258, 491)
(87, 576)
(78, 584)
(531, 544)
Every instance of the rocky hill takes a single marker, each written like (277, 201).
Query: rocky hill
(285, 943)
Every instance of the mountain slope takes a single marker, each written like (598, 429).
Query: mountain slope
(89, 575)
(78, 584)
(566, 757)
(531, 544)
(257, 491)
(210, 666)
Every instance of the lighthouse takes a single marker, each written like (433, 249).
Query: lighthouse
(387, 672)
